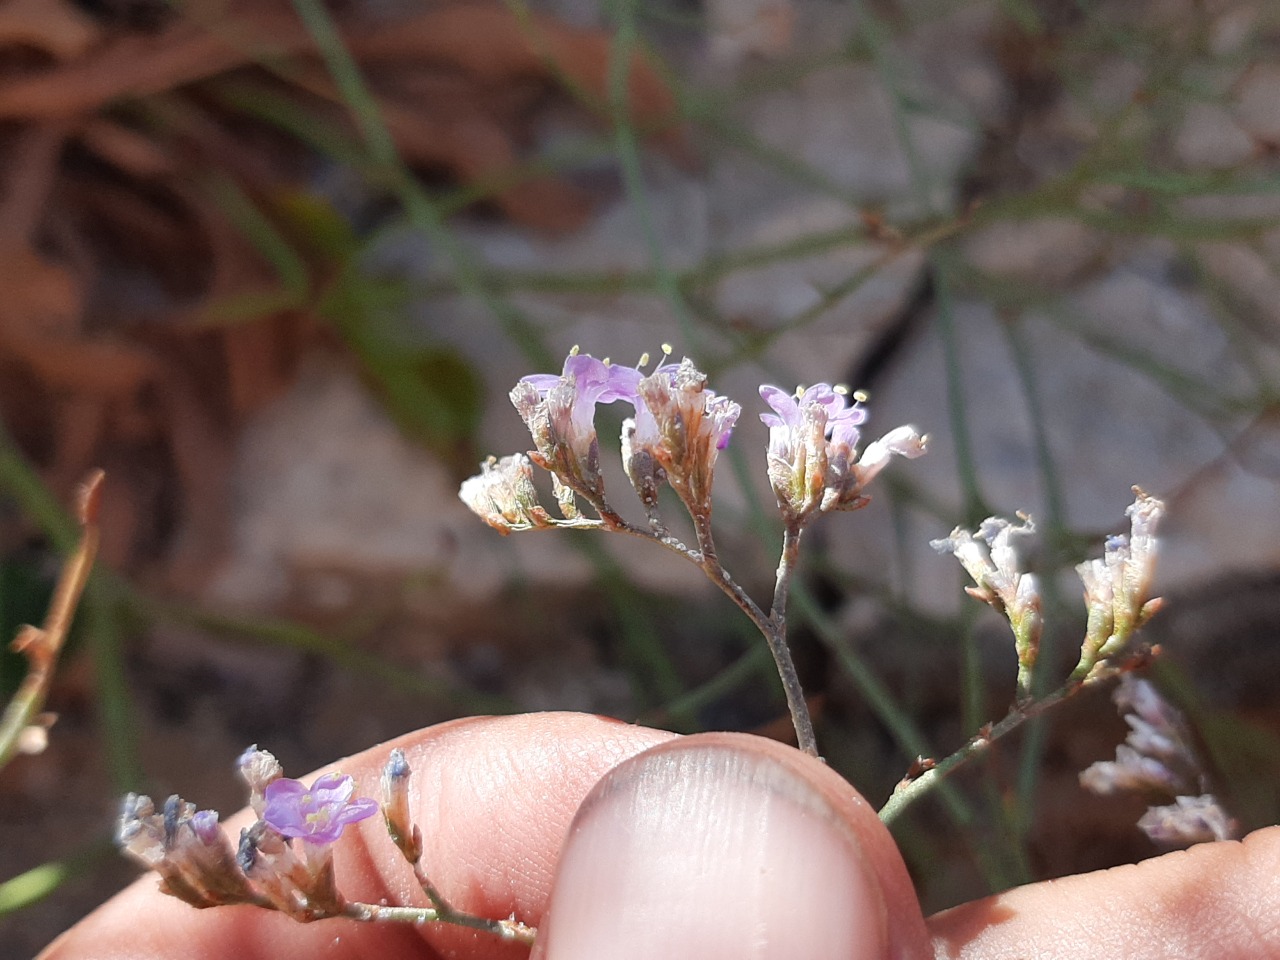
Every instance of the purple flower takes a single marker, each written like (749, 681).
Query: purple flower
(813, 436)
(317, 814)
(593, 381)
(792, 411)
(680, 427)
(560, 414)
(584, 383)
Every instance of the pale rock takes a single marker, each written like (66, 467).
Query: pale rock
(1258, 102)
(325, 480)
(1110, 422)
(1049, 252)
(1210, 138)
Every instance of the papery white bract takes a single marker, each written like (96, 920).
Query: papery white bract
(503, 495)
(991, 560)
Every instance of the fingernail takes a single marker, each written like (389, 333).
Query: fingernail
(711, 851)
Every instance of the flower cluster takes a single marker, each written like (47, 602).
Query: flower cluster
(285, 858)
(1117, 587)
(186, 847)
(991, 561)
(1158, 759)
(673, 439)
(677, 431)
(678, 428)
(197, 864)
(813, 439)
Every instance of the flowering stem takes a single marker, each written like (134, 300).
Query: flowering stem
(773, 626)
(42, 645)
(509, 931)
(777, 638)
(911, 789)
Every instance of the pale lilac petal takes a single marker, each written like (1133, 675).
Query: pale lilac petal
(316, 815)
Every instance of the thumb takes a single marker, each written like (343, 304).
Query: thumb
(729, 846)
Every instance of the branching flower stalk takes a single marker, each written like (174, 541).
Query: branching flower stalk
(677, 431)
(23, 727)
(1116, 593)
(284, 860)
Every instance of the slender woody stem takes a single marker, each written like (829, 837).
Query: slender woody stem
(912, 788)
(773, 626)
(42, 645)
(510, 931)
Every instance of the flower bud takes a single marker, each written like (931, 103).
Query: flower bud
(186, 847)
(395, 806)
(992, 562)
(258, 769)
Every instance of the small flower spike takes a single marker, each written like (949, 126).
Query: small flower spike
(504, 497)
(678, 431)
(813, 439)
(560, 414)
(1158, 758)
(991, 560)
(1117, 587)
(395, 807)
(317, 814)
(186, 847)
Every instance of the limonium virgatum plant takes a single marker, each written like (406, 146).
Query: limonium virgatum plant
(678, 428)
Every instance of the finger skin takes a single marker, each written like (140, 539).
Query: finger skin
(493, 797)
(895, 927)
(1215, 901)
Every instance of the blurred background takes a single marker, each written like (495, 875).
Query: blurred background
(274, 266)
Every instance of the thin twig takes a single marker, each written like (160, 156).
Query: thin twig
(41, 645)
(912, 788)
(509, 931)
(773, 627)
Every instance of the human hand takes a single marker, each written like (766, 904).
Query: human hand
(712, 846)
